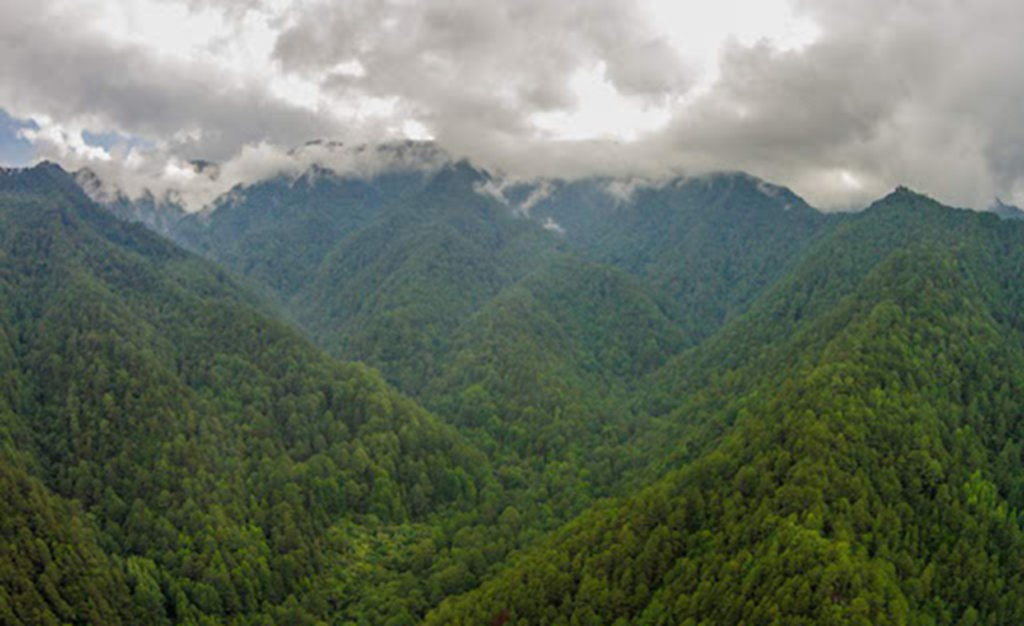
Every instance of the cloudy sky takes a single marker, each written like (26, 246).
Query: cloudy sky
(839, 100)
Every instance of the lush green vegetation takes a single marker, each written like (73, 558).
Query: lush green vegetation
(708, 245)
(203, 456)
(531, 342)
(380, 271)
(703, 403)
(859, 466)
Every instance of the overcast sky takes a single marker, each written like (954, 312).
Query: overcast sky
(839, 100)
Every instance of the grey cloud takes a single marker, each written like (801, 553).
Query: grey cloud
(195, 188)
(918, 92)
(908, 92)
(492, 64)
(52, 66)
(883, 97)
(921, 92)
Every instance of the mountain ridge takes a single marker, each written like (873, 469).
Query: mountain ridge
(708, 404)
(146, 386)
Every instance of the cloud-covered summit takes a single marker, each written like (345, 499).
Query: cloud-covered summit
(839, 101)
(197, 185)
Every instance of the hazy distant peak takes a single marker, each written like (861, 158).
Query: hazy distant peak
(904, 195)
(93, 186)
(1007, 211)
(45, 168)
(207, 168)
(46, 176)
(323, 143)
(397, 154)
(198, 185)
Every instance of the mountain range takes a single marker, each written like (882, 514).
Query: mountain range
(429, 395)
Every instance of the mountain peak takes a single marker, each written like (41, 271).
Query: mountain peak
(740, 190)
(45, 177)
(400, 154)
(905, 197)
(904, 192)
(1007, 211)
(48, 165)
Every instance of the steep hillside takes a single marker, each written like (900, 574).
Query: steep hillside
(712, 244)
(527, 339)
(378, 268)
(801, 418)
(866, 466)
(366, 264)
(393, 293)
(546, 369)
(234, 472)
(279, 230)
(832, 268)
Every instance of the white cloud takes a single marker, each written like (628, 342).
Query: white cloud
(601, 111)
(553, 226)
(173, 179)
(62, 141)
(622, 189)
(698, 30)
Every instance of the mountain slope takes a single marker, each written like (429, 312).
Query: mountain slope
(393, 293)
(867, 470)
(489, 318)
(368, 264)
(545, 369)
(408, 273)
(831, 269)
(234, 470)
(278, 231)
(379, 269)
(712, 244)
(824, 410)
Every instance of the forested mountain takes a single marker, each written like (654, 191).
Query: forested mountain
(529, 336)
(698, 401)
(862, 464)
(278, 231)
(710, 244)
(379, 269)
(542, 376)
(161, 215)
(366, 263)
(171, 455)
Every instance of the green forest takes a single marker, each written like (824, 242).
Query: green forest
(398, 400)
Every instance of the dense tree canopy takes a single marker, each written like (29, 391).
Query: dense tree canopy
(702, 403)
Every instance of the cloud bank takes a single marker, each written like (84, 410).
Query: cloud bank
(840, 101)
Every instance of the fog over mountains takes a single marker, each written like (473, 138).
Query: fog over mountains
(839, 104)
